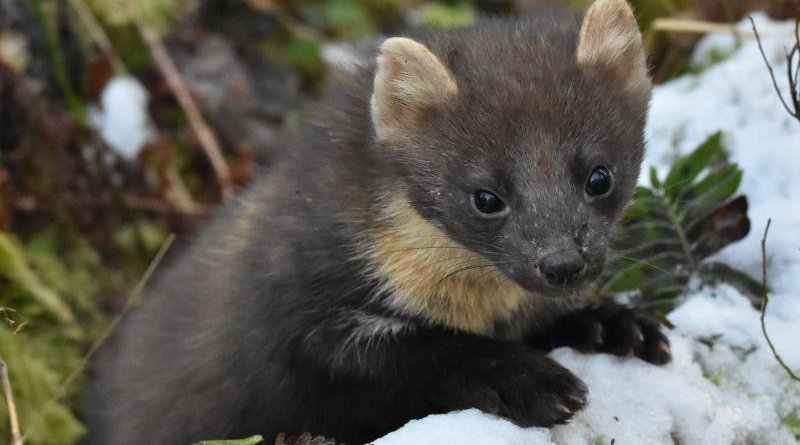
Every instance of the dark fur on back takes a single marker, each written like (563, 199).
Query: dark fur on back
(276, 318)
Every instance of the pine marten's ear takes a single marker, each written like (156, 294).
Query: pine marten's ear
(409, 80)
(610, 38)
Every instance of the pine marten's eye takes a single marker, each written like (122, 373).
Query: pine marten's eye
(599, 182)
(487, 203)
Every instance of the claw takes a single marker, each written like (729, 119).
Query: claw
(576, 400)
(638, 334)
(599, 333)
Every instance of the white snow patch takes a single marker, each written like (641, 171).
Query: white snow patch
(737, 324)
(122, 118)
(342, 56)
(724, 387)
(465, 427)
(633, 402)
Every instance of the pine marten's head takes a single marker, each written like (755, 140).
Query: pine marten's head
(518, 146)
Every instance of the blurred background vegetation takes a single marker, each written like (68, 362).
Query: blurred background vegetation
(80, 222)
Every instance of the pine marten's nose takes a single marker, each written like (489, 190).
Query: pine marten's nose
(561, 267)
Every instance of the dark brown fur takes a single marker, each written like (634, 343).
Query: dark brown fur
(281, 316)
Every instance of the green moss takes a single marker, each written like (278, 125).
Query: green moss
(156, 13)
(442, 15)
(792, 423)
(348, 18)
(51, 281)
(152, 235)
(303, 56)
(16, 270)
(714, 377)
(129, 46)
(39, 359)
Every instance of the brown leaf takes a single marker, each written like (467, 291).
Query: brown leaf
(241, 166)
(720, 227)
(97, 76)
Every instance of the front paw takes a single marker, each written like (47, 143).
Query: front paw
(611, 328)
(523, 386)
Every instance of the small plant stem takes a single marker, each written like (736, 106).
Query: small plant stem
(98, 34)
(795, 113)
(51, 37)
(681, 235)
(205, 136)
(16, 436)
(765, 301)
(691, 26)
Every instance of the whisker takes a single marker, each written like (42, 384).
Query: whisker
(411, 249)
(484, 275)
(463, 269)
(645, 263)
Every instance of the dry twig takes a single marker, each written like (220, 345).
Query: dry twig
(131, 301)
(197, 210)
(792, 71)
(16, 436)
(205, 136)
(765, 301)
(10, 317)
(668, 24)
(98, 34)
(692, 26)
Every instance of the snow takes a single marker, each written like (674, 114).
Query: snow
(465, 427)
(349, 56)
(723, 387)
(122, 118)
(737, 97)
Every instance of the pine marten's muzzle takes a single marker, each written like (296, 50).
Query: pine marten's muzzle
(562, 268)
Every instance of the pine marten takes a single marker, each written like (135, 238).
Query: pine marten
(420, 249)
